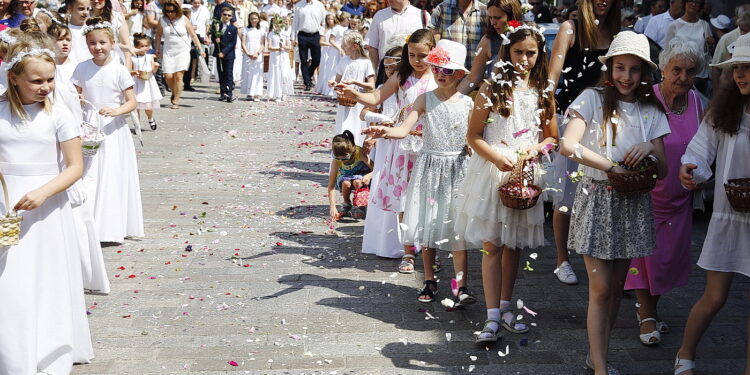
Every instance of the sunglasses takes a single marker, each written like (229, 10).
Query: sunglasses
(393, 64)
(443, 71)
(170, 11)
(345, 157)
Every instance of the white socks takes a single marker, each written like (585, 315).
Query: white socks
(508, 316)
(492, 314)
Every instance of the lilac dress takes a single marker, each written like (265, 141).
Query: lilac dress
(669, 266)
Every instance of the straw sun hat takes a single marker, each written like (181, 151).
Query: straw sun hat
(629, 43)
(741, 53)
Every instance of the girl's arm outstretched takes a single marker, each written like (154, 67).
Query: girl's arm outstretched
(376, 97)
(406, 126)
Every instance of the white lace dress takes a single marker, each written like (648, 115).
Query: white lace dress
(480, 216)
(437, 174)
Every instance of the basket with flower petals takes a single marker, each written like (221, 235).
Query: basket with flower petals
(519, 192)
(640, 179)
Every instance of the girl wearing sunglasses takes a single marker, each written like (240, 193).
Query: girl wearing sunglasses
(441, 164)
(350, 170)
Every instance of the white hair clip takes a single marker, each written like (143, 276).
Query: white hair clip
(6, 37)
(29, 52)
(101, 25)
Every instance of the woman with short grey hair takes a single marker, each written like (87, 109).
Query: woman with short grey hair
(670, 264)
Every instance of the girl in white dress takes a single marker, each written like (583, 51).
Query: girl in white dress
(381, 234)
(123, 48)
(135, 17)
(147, 93)
(724, 138)
(335, 39)
(328, 57)
(92, 260)
(253, 43)
(280, 76)
(510, 117)
(43, 313)
(353, 70)
(78, 12)
(112, 178)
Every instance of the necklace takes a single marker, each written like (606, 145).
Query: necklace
(672, 111)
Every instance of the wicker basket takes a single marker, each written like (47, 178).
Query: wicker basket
(519, 192)
(92, 134)
(641, 179)
(346, 102)
(10, 223)
(144, 75)
(738, 194)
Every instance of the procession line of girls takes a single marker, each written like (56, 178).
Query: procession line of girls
(439, 201)
(65, 199)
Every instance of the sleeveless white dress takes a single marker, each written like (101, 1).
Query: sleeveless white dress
(43, 313)
(176, 49)
(147, 93)
(111, 175)
(252, 70)
(480, 215)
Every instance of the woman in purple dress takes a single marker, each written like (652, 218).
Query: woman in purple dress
(670, 265)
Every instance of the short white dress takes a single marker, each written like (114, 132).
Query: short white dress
(252, 70)
(176, 48)
(111, 175)
(43, 312)
(480, 215)
(347, 118)
(280, 77)
(147, 93)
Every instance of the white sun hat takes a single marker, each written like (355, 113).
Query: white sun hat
(448, 54)
(721, 22)
(741, 53)
(629, 43)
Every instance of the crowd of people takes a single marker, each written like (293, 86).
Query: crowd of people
(455, 121)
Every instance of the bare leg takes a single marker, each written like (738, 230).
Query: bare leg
(149, 114)
(346, 191)
(647, 309)
(561, 226)
(598, 323)
(461, 264)
(511, 257)
(177, 87)
(714, 297)
(491, 274)
(428, 259)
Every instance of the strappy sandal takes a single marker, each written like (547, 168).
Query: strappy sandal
(494, 335)
(610, 370)
(464, 298)
(661, 325)
(682, 365)
(407, 264)
(647, 337)
(345, 208)
(152, 124)
(429, 292)
(511, 327)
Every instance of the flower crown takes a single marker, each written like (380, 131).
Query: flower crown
(29, 52)
(101, 25)
(526, 7)
(6, 37)
(438, 56)
(50, 15)
(513, 26)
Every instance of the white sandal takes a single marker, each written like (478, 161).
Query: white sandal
(406, 265)
(646, 337)
(610, 370)
(682, 365)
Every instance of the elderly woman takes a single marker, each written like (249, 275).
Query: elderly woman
(175, 31)
(670, 264)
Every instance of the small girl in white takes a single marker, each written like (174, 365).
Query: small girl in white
(253, 42)
(147, 93)
(112, 177)
(354, 69)
(280, 74)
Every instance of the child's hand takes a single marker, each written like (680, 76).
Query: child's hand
(133, 72)
(636, 153)
(331, 83)
(503, 163)
(106, 111)
(686, 176)
(347, 92)
(366, 179)
(334, 214)
(375, 131)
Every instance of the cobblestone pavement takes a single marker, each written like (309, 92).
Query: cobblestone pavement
(239, 272)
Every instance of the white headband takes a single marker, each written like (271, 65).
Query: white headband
(101, 25)
(49, 14)
(6, 37)
(511, 30)
(30, 52)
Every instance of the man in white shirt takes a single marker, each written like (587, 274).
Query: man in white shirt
(658, 25)
(400, 18)
(200, 17)
(657, 7)
(309, 16)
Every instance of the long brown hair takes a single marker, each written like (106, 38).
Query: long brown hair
(644, 94)
(586, 32)
(512, 8)
(502, 92)
(421, 36)
(726, 107)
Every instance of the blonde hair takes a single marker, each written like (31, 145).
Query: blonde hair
(12, 94)
(355, 38)
(93, 21)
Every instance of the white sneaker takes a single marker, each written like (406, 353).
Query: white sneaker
(566, 274)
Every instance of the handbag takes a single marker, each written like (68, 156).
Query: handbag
(91, 135)
(205, 70)
(361, 197)
(10, 223)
